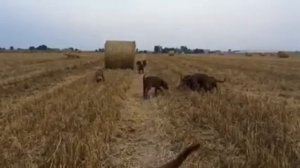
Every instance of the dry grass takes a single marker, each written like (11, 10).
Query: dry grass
(66, 119)
(13, 66)
(72, 56)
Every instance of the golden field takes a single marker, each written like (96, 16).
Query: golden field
(53, 113)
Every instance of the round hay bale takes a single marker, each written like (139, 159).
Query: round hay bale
(248, 54)
(171, 53)
(120, 54)
(281, 54)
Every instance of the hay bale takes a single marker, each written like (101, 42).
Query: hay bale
(120, 54)
(281, 54)
(248, 54)
(262, 54)
(171, 53)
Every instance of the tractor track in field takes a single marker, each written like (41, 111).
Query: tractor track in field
(32, 84)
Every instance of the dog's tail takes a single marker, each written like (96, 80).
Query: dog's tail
(181, 157)
(219, 81)
(144, 87)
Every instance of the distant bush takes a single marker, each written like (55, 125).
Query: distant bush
(42, 47)
(31, 48)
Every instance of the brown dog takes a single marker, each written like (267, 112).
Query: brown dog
(99, 75)
(181, 157)
(198, 81)
(153, 81)
(140, 67)
(144, 62)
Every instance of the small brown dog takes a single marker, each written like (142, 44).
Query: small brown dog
(140, 67)
(99, 75)
(144, 62)
(181, 157)
(153, 81)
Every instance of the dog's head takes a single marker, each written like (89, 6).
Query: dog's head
(184, 82)
(138, 63)
(165, 85)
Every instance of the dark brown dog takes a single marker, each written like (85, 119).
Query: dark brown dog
(99, 75)
(198, 81)
(195, 82)
(144, 62)
(181, 157)
(153, 81)
(140, 67)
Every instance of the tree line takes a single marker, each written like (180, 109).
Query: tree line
(183, 49)
(38, 48)
(157, 49)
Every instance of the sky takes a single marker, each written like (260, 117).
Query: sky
(207, 24)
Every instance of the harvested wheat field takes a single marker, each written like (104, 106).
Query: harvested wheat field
(54, 114)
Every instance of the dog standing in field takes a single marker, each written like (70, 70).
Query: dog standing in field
(99, 75)
(153, 82)
(144, 63)
(198, 81)
(181, 157)
(140, 67)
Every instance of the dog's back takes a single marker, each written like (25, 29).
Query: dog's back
(198, 81)
(193, 81)
(152, 81)
(206, 82)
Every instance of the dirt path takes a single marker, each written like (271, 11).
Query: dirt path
(140, 138)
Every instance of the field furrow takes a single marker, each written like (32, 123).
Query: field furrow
(16, 90)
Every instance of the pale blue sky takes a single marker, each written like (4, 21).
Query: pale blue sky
(213, 24)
